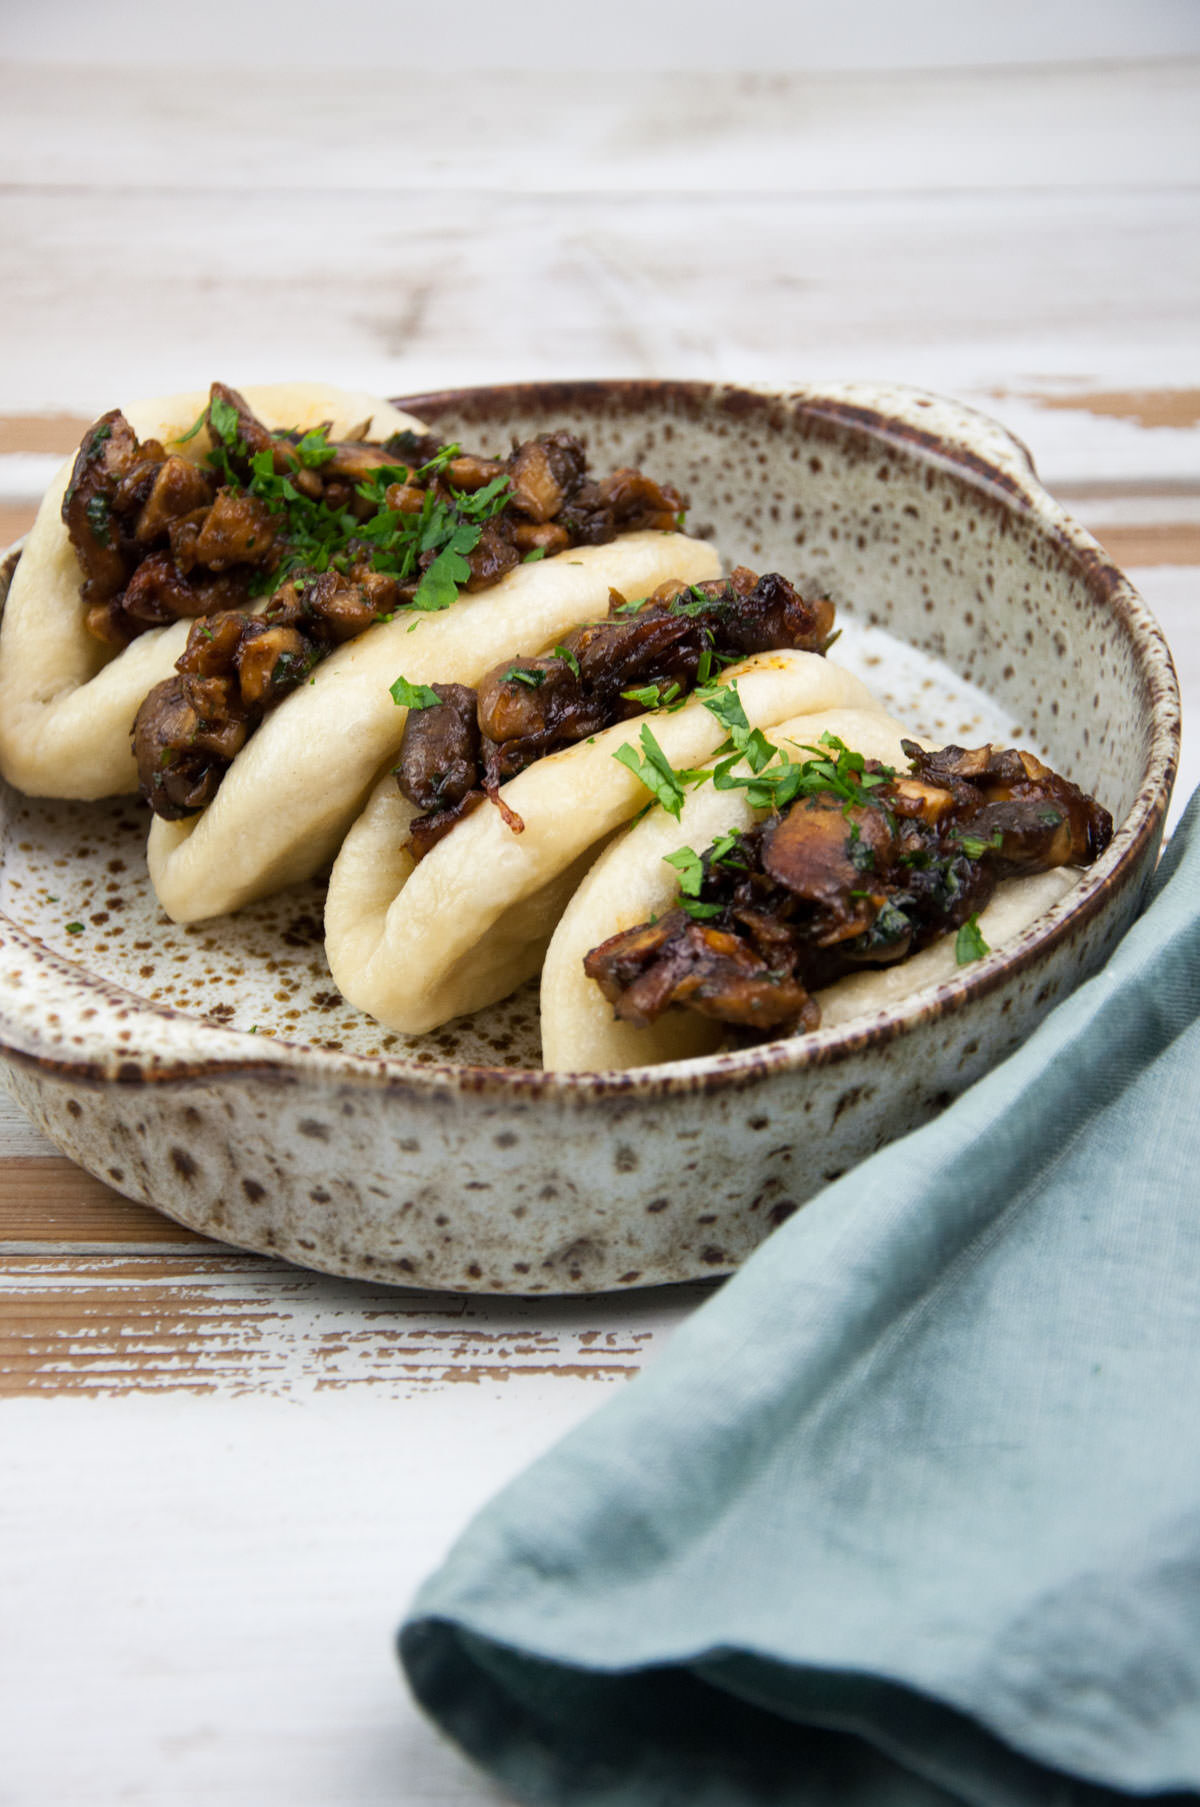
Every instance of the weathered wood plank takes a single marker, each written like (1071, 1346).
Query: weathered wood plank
(625, 128)
(214, 1584)
(41, 432)
(240, 1325)
(747, 285)
(15, 519)
(48, 1200)
(1145, 407)
(1151, 544)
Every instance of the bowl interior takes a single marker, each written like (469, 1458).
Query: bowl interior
(924, 525)
(909, 527)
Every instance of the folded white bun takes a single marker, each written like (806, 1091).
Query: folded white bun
(302, 778)
(67, 702)
(631, 882)
(1015, 904)
(416, 944)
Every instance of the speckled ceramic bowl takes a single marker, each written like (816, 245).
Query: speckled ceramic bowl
(214, 1073)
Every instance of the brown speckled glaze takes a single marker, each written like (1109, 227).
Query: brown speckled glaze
(213, 1071)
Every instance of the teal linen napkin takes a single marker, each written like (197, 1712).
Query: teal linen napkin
(909, 1513)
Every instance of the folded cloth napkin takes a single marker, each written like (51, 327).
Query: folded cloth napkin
(909, 1513)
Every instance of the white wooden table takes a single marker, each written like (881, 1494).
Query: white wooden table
(222, 1478)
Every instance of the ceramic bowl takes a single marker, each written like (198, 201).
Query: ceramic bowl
(214, 1074)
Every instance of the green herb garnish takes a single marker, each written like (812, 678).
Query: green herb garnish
(223, 420)
(974, 848)
(317, 538)
(440, 585)
(969, 943)
(690, 867)
(414, 696)
(656, 772)
(653, 696)
(698, 602)
(314, 449)
(97, 512)
(195, 427)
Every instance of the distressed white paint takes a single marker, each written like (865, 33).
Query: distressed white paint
(962, 293)
(206, 1592)
(1085, 126)
(164, 1322)
(400, 37)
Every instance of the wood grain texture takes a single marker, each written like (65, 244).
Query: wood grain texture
(41, 432)
(152, 1324)
(15, 519)
(748, 286)
(622, 130)
(1153, 544)
(1145, 407)
(47, 1200)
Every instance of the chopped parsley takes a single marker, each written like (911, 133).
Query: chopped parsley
(974, 848)
(195, 427)
(690, 867)
(522, 674)
(722, 850)
(653, 696)
(774, 780)
(861, 857)
(440, 584)
(313, 449)
(969, 943)
(656, 772)
(568, 658)
(698, 602)
(890, 925)
(74, 928)
(414, 696)
(316, 537)
(223, 420)
(97, 512)
(845, 774)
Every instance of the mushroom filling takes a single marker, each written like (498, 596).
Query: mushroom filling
(343, 533)
(160, 538)
(460, 745)
(861, 868)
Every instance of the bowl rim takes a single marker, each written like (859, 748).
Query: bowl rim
(845, 406)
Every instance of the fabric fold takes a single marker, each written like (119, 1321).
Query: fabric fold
(910, 1511)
